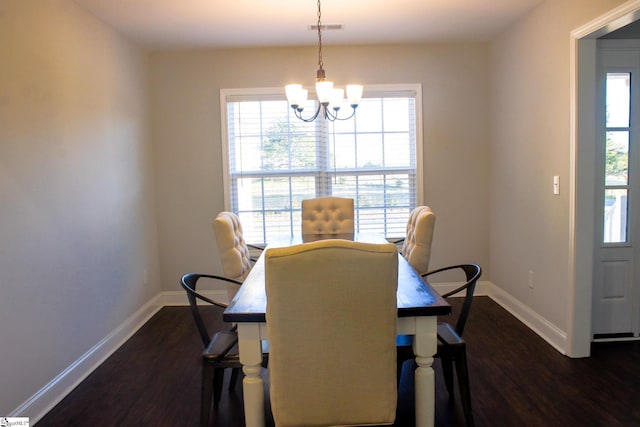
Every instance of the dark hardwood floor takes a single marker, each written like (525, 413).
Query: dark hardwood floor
(516, 380)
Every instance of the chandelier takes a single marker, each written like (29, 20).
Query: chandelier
(329, 98)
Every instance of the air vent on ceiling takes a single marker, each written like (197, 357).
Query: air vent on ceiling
(325, 27)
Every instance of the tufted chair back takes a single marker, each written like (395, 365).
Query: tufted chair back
(234, 253)
(327, 215)
(322, 285)
(417, 242)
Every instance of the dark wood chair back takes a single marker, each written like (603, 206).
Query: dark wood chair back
(473, 273)
(189, 282)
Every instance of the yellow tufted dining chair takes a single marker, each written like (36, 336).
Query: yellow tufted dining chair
(234, 251)
(417, 243)
(326, 368)
(327, 215)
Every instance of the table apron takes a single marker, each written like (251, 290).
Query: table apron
(404, 326)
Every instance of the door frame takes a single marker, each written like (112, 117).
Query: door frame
(581, 171)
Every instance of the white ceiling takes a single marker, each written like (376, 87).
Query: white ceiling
(162, 24)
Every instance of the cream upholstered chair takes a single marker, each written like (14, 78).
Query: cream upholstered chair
(417, 243)
(234, 252)
(327, 215)
(326, 366)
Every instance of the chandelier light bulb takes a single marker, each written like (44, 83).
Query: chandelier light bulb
(297, 96)
(337, 98)
(354, 94)
(323, 90)
(292, 92)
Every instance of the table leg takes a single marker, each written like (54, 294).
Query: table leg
(252, 385)
(425, 345)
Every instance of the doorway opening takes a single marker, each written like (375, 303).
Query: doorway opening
(583, 176)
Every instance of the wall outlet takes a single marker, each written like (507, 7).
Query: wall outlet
(530, 279)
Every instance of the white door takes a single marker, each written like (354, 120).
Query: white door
(616, 292)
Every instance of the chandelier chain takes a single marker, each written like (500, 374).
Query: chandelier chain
(320, 63)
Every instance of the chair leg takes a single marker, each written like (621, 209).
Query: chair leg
(462, 372)
(399, 365)
(447, 371)
(234, 378)
(206, 398)
(218, 378)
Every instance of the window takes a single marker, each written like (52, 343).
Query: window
(273, 160)
(616, 185)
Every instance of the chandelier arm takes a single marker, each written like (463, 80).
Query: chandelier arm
(298, 113)
(334, 116)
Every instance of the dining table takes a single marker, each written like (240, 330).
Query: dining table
(418, 307)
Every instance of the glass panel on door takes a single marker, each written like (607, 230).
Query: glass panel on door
(616, 182)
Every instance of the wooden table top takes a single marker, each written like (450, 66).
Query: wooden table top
(415, 296)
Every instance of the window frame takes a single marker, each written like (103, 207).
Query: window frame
(278, 93)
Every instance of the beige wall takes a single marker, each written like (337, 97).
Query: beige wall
(185, 126)
(530, 142)
(77, 228)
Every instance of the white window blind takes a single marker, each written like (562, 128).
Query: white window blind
(273, 160)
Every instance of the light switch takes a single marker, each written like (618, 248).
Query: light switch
(556, 184)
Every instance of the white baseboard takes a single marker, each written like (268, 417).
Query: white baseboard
(482, 288)
(180, 298)
(541, 326)
(51, 394)
(174, 298)
(553, 335)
